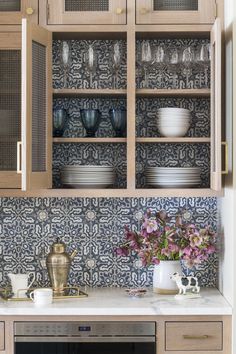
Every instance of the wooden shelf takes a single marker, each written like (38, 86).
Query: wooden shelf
(112, 193)
(173, 92)
(88, 140)
(174, 140)
(89, 92)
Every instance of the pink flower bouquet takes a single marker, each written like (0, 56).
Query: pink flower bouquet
(160, 239)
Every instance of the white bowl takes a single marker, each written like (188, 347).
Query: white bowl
(173, 131)
(173, 109)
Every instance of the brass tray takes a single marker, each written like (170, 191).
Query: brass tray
(73, 293)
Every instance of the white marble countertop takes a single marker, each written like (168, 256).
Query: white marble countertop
(115, 302)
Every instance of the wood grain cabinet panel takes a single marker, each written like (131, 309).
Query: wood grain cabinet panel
(175, 11)
(2, 336)
(194, 336)
(12, 11)
(86, 12)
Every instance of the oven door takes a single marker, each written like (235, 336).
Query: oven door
(98, 345)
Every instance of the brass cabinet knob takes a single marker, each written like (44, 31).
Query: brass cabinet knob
(29, 11)
(119, 11)
(143, 11)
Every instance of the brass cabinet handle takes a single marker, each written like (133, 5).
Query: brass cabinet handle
(29, 11)
(18, 157)
(143, 11)
(226, 170)
(119, 11)
(186, 336)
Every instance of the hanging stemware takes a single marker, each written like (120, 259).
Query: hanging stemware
(116, 59)
(188, 60)
(160, 62)
(174, 61)
(146, 60)
(203, 59)
(65, 61)
(90, 59)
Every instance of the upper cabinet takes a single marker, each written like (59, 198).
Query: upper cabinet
(175, 11)
(36, 106)
(86, 12)
(12, 11)
(10, 109)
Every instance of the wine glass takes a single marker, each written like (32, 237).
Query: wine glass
(187, 60)
(91, 62)
(160, 61)
(146, 60)
(174, 61)
(203, 59)
(116, 59)
(65, 61)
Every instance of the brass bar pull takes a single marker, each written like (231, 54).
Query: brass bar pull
(18, 158)
(226, 170)
(204, 336)
(48, 12)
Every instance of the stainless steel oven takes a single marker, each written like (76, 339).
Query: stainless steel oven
(85, 337)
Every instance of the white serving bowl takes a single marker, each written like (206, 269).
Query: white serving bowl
(173, 110)
(173, 131)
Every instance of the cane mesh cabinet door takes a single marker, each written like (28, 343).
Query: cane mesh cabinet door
(216, 108)
(2, 336)
(86, 12)
(10, 109)
(175, 11)
(36, 107)
(12, 11)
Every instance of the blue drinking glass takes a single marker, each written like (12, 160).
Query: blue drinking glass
(118, 121)
(91, 119)
(59, 122)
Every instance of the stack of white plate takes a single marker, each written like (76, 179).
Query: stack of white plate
(173, 122)
(78, 176)
(173, 177)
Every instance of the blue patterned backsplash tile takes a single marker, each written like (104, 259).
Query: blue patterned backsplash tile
(95, 227)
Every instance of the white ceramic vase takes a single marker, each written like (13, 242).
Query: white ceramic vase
(162, 283)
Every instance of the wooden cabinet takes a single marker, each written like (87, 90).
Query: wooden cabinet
(36, 106)
(85, 12)
(2, 336)
(194, 336)
(175, 11)
(29, 139)
(10, 108)
(25, 104)
(12, 11)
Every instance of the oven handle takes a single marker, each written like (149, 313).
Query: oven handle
(147, 339)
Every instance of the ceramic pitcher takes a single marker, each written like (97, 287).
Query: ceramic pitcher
(20, 282)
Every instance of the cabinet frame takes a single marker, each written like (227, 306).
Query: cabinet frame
(33, 33)
(145, 14)
(56, 15)
(10, 41)
(15, 18)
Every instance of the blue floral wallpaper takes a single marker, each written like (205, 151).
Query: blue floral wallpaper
(95, 227)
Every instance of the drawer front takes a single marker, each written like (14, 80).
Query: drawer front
(2, 336)
(196, 336)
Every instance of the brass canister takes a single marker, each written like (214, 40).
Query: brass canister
(58, 265)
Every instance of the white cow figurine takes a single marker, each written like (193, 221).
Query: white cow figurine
(184, 283)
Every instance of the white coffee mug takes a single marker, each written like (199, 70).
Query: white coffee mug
(42, 297)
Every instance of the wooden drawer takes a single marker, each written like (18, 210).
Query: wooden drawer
(2, 336)
(191, 336)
